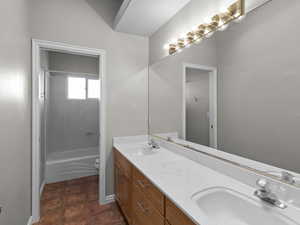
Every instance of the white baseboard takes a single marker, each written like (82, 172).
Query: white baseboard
(109, 199)
(29, 221)
(42, 188)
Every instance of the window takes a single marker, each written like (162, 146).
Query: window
(76, 88)
(94, 89)
(82, 88)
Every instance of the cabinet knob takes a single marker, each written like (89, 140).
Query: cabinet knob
(142, 207)
(142, 184)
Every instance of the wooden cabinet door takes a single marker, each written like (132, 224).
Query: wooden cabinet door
(149, 190)
(143, 211)
(118, 185)
(175, 216)
(126, 197)
(123, 190)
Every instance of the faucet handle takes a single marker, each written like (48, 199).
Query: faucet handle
(265, 194)
(150, 142)
(263, 184)
(287, 177)
(169, 139)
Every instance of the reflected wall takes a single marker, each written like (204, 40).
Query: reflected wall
(166, 86)
(258, 85)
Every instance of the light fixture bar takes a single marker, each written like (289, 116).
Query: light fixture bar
(234, 11)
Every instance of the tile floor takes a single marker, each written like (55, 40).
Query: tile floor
(75, 202)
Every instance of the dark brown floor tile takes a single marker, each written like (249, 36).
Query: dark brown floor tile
(50, 205)
(93, 178)
(79, 222)
(117, 223)
(90, 186)
(90, 183)
(78, 211)
(74, 189)
(107, 218)
(52, 218)
(95, 208)
(47, 195)
(90, 179)
(72, 199)
(55, 186)
(92, 196)
(75, 181)
(75, 202)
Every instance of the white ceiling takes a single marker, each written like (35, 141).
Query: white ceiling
(144, 17)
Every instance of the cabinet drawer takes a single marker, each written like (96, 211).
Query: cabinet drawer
(149, 190)
(123, 192)
(123, 164)
(144, 213)
(175, 216)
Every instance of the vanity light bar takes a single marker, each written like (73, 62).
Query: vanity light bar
(218, 22)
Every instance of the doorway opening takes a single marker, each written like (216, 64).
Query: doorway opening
(200, 104)
(68, 120)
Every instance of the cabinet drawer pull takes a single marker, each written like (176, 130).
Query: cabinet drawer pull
(142, 208)
(142, 184)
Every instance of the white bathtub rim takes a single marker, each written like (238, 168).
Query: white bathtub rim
(68, 169)
(72, 154)
(52, 162)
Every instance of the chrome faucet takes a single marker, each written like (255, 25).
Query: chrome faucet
(288, 177)
(153, 144)
(266, 195)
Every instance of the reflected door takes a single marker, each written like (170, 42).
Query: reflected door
(199, 106)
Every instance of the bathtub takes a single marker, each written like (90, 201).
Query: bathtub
(68, 165)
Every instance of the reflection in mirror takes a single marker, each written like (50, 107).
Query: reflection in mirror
(199, 104)
(167, 106)
(249, 108)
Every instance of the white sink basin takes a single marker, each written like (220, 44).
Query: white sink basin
(146, 150)
(224, 206)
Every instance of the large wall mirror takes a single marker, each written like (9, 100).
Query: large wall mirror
(237, 91)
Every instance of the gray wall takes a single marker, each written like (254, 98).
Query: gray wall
(88, 23)
(197, 106)
(72, 123)
(15, 154)
(258, 86)
(73, 63)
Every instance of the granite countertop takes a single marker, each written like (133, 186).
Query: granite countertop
(179, 177)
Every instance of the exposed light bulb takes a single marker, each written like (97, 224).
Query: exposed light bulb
(223, 9)
(239, 19)
(198, 41)
(174, 40)
(207, 20)
(182, 35)
(194, 28)
(220, 21)
(208, 35)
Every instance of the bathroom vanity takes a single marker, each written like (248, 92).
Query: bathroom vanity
(170, 186)
(140, 200)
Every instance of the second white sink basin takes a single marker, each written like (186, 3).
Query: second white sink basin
(224, 206)
(146, 150)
